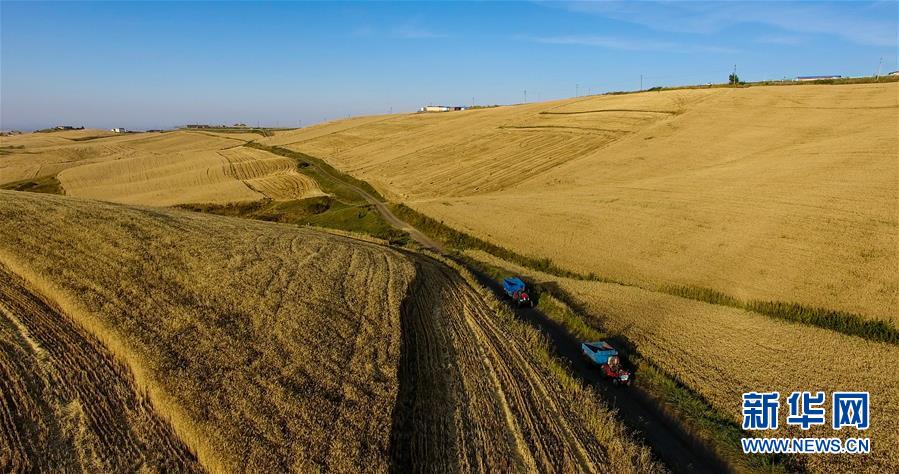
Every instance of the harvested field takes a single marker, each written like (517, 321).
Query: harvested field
(722, 352)
(66, 404)
(158, 169)
(764, 193)
(491, 149)
(276, 348)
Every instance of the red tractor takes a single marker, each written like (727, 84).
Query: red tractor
(605, 356)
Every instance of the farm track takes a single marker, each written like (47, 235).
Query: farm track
(680, 451)
(66, 404)
(472, 398)
(547, 445)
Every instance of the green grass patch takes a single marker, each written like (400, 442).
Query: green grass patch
(677, 399)
(320, 211)
(839, 321)
(47, 185)
(362, 219)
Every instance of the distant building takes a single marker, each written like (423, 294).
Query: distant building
(441, 108)
(894, 73)
(67, 127)
(117, 130)
(816, 78)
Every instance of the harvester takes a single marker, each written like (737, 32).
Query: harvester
(606, 357)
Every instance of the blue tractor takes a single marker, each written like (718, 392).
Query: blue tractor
(518, 291)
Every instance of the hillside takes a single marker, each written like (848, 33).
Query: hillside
(767, 193)
(271, 347)
(158, 169)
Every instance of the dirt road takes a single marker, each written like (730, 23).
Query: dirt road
(473, 398)
(671, 443)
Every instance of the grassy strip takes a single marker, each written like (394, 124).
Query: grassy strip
(680, 402)
(48, 185)
(263, 131)
(845, 80)
(320, 211)
(330, 179)
(839, 321)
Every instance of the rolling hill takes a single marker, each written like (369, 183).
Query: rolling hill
(766, 193)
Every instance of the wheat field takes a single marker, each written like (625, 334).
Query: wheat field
(158, 169)
(768, 193)
(268, 347)
(722, 352)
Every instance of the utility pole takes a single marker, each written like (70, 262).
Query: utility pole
(878, 67)
(735, 75)
(525, 96)
(641, 82)
(576, 86)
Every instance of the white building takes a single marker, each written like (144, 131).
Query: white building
(117, 130)
(816, 78)
(441, 108)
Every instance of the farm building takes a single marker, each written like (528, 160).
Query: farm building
(816, 78)
(441, 108)
(894, 73)
(117, 130)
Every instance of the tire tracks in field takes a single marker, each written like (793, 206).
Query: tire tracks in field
(67, 403)
(472, 398)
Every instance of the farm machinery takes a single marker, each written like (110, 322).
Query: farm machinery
(606, 357)
(517, 291)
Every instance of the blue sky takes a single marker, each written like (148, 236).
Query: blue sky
(148, 65)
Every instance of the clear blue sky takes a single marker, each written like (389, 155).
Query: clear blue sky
(147, 65)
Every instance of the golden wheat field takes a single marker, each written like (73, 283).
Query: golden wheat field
(265, 347)
(768, 193)
(159, 169)
(722, 352)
